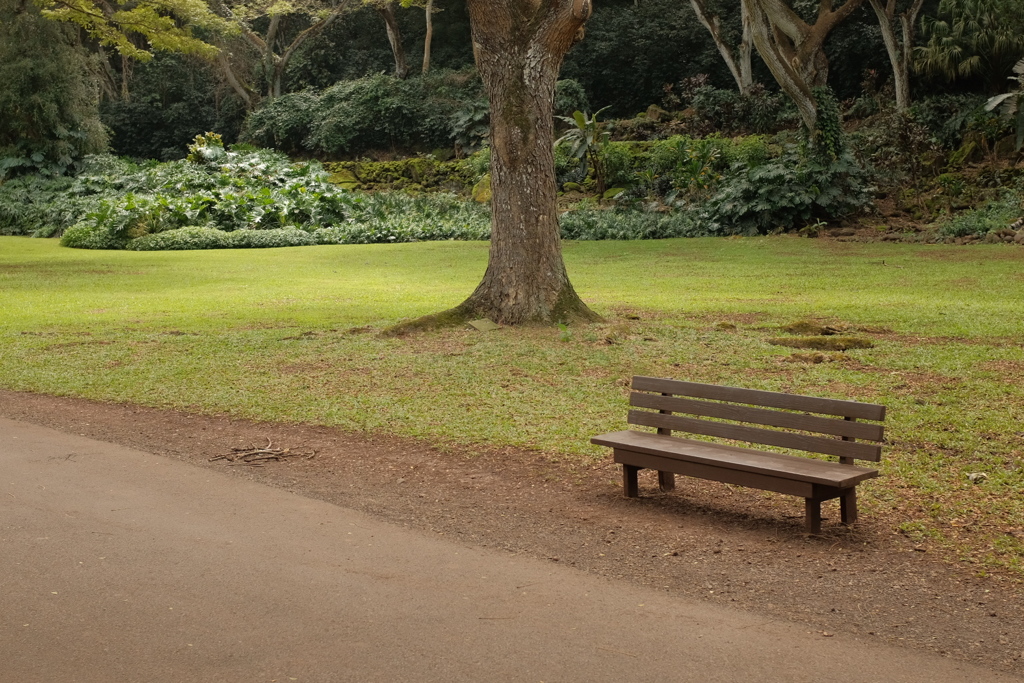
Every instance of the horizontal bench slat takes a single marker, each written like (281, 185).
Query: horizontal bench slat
(768, 437)
(773, 418)
(732, 457)
(771, 399)
(687, 468)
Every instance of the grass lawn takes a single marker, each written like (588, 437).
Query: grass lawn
(288, 335)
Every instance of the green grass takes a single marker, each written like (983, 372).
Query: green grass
(279, 334)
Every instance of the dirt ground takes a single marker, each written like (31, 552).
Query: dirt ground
(706, 541)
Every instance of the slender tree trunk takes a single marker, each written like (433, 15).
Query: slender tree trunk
(387, 11)
(430, 35)
(737, 60)
(232, 79)
(899, 53)
(519, 46)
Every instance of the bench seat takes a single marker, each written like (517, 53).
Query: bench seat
(821, 426)
(766, 463)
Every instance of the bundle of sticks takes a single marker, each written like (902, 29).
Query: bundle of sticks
(256, 456)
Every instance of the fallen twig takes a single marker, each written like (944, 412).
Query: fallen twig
(256, 456)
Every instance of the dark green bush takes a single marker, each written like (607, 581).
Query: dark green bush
(173, 98)
(788, 193)
(378, 112)
(49, 116)
(569, 97)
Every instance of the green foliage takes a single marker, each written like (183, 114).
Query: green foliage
(393, 218)
(229, 200)
(896, 147)
(632, 49)
(788, 193)
(946, 117)
(593, 224)
(829, 138)
(585, 141)
(49, 116)
(696, 172)
(378, 112)
(207, 149)
(44, 206)
(471, 127)
(730, 113)
(172, 99)
(994, 215)
(162, 24)
(569, 97)
(197, 237)
(973, 38)
(415, 174)
(1010, 105)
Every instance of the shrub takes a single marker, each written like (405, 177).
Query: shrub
(190, 237)
(379, 112)
(788, 192)
(569, 97)
(994, 215)
(90, 236)
(593, 224)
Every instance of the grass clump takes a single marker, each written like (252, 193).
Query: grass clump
(823, 342)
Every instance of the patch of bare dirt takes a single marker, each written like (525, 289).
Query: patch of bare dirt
(708, 541)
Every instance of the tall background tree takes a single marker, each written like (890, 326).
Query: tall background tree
(49, 98)
(794, 48)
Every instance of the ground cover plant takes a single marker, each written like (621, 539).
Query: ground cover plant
(290, 335)
(222, 199)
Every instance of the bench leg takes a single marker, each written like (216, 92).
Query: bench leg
(666, 481)
(629, 481)
(812, 506)
(848, 506)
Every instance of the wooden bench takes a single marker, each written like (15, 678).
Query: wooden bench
(732, 411)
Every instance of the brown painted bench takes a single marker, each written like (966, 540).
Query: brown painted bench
(742, 415)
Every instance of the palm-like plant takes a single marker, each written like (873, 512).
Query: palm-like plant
(1011, 104)
(976, 38)
(587, 137)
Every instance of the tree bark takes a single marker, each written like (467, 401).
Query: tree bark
(428, 39)
(387, 12)
(232, 79)
(739, 59)
(899, 53)
(519, 46)
(795, 50)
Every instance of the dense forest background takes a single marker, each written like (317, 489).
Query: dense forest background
(636, 53)
(697, 117)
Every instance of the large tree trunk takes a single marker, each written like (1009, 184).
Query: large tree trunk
(519, 46)
(899, 53)
(795, 50)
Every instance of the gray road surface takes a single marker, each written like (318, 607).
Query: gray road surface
(118, 565)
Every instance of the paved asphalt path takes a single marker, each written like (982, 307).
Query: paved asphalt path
(118, 565)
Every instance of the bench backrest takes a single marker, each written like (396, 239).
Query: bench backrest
(799, 430)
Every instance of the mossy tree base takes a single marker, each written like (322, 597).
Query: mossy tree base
(568, 308)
